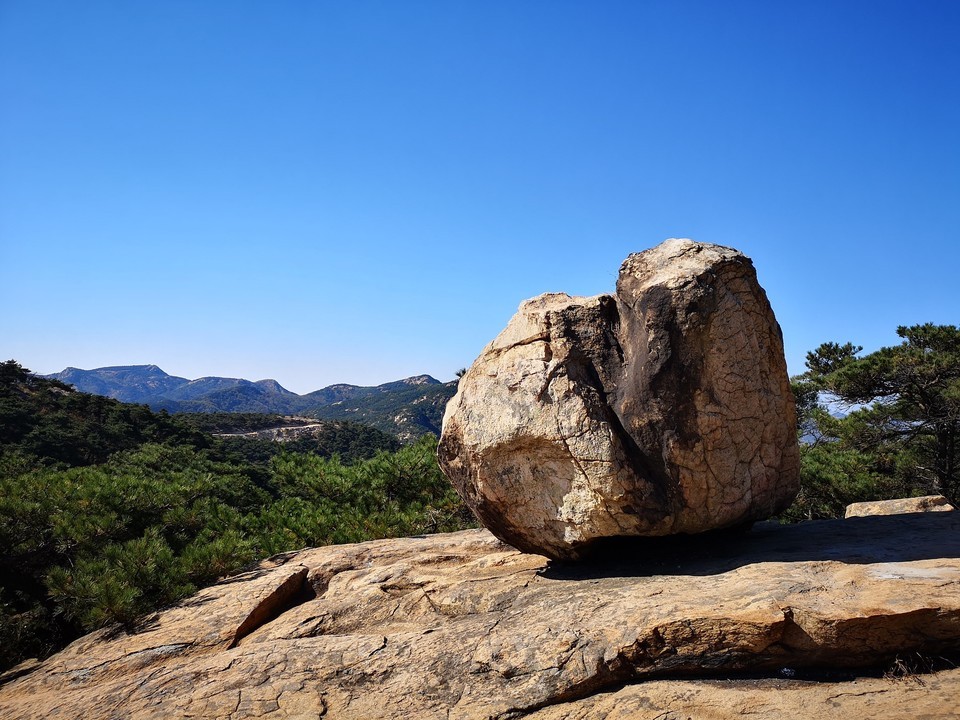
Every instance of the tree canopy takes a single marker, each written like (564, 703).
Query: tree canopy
(882, 424)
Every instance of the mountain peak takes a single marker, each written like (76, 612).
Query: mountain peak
(421, 380)
(272, 386)
(128, 383)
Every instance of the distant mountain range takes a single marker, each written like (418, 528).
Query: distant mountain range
(407, 408)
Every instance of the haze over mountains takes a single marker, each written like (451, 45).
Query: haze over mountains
(407, 407)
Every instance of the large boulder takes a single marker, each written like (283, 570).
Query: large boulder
(663, 409)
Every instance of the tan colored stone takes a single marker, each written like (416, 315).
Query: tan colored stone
(664, 409)
(930, 697)
(927, 503)
(462, 626)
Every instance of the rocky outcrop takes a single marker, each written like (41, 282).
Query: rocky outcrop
(663, 409)
(462, 626)
(927, 503)
(282, 434)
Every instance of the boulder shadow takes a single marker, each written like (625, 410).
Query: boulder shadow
(858, 540)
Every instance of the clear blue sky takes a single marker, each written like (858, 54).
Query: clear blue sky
(325, 192)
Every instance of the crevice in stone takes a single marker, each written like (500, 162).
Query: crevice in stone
(293, 591)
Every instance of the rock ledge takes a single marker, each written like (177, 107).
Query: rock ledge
(461, 626)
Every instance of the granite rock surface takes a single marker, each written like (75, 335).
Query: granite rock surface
(662, 409)
(462, 626)
(926, 503)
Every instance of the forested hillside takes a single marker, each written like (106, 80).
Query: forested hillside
(109, 511)
(254, 436)
(406, 408)
(407, 411)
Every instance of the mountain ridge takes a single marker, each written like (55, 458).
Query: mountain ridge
(407, 408)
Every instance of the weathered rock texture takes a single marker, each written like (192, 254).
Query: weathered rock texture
(927, 503)
(663, 409)
(914, 698)
(461, 626)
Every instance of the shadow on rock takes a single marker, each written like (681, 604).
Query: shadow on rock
(859, 540)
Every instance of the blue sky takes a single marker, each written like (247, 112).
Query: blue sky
(324, 192)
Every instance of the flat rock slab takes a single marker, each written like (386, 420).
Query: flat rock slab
(931, 697)
(901, 506)
(461, 626)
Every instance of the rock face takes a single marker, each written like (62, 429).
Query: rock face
(461, 626)
(931, 698)
(927, 503)
(663, 409)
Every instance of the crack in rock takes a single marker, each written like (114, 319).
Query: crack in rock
(293, 591)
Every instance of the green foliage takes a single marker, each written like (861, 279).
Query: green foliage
(49, 421)
(833, 476)
(236, 422)
(830, 357)
(112, 541)
(391, 494)
(85, 544)
(408, 410)
(350, 441)
(900, 436)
